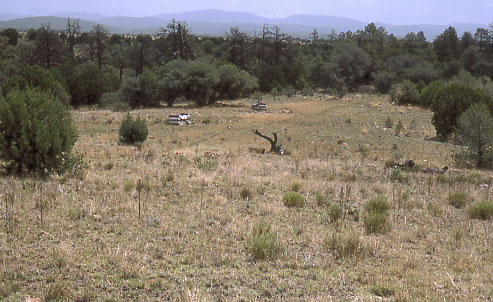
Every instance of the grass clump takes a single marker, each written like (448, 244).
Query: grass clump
(58, 291)
(379, 204)
(322, 200)
(382, 291)
(343, 246)
(132, 131)
(246, 193)
(293, 200)
(376, 218)
(335, 212)
(264, 244)
(128, 185)
(482, 210)
(458, 200)
(296, 187)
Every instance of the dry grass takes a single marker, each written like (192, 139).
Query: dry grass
(192, 240)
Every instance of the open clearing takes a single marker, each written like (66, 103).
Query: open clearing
(205, 188)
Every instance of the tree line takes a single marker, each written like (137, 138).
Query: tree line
(145, 70)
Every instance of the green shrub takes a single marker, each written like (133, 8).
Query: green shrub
(142, 91)
(376, 223)
(383, 81)
(128, 185)
(264, 243)
(399, 128)
(335, 212)
(397, 175)
(429, 93)
(36, 133)
(378, 205)
(293, 200)
(35, 77)
(289, 91)
(458, 200)
(405, 93)
(481, 210)
(450, 102)
(475, 132)
(132, 131)
(388, 123)
(113, 102)
(343, 246)
(376, 218)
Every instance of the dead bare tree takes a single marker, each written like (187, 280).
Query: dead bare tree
(274, 146)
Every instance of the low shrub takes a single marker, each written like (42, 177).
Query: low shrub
(458, 200)
(322, 200)
(335, 212)
(482, 210)
(128, 185)
(132, 131)
(376, 223)
(296, 187)
(376, 218)
(383, 81)
(293, 200)
(378, 205)
(343, 246)
(405, 93)
(397, 175)
(245, 193)
(58, 291)
(264, 244)
(382, 291)
(113, 101)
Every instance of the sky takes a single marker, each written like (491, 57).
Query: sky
(387, 11)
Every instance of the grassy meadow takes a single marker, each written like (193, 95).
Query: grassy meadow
(214, 223)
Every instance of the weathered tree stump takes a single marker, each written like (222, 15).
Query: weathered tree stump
(274, 147)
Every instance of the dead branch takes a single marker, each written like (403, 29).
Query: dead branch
(274, 147)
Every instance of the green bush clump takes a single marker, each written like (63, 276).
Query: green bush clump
(376, 218)
(132, 131)
(429, 93)
(482, 210)
(36, 133)
(379, 205)
(450, 102)
(458, 200)
(113, 102)
(264, 243)
(405, 93)
(383, 81)
(293, 200)
(35, 77)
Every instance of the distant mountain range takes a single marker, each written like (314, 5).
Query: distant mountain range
(218, 22)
